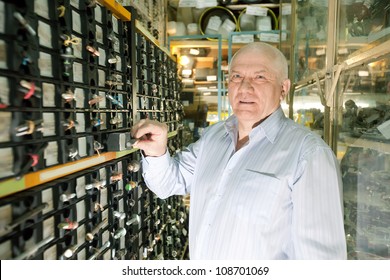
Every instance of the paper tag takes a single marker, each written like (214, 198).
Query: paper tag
(44, 33)
(2, 20)
(187, 3)
(286, 9)
(268, 37)
(3, 55)
(76, 22)
(41, 8)
(49, 124)
(245, 38)
(48, 95)
(257, 11)
(51, 154)
(4, 90)
(45, 64)
(205, 3)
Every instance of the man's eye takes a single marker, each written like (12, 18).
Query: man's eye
(259, 78)
(236, 78)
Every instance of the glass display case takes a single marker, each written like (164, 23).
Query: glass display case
(310, 57)
(341, 89)
(363, 138)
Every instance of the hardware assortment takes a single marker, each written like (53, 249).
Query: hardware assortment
(73, 80)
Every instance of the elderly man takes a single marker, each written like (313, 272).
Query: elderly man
(262, 186)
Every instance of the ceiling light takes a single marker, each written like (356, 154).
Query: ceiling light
(184, 60)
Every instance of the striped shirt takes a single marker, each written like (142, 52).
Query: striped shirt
(278, 197)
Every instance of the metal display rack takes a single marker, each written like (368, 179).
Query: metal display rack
(76, 78)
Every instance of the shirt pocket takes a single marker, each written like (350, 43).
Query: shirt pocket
(256, 196)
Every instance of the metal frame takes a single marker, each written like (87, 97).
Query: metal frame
(218, 39)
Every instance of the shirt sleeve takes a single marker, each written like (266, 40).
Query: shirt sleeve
(317, 218)
(167, 176)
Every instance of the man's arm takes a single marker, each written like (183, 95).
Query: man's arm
(317, 219)
(163, 174)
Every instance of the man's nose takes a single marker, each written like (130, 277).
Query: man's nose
(245, 84)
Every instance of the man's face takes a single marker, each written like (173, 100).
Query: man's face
(255, 87)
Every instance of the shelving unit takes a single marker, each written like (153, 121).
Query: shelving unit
(220, 51)
(86, 72)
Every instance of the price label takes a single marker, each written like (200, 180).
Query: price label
(257, 11)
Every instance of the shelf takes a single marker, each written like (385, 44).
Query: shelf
(366, 143)
(117, 9)
(243, 6)
(33, 179)
(140, 28)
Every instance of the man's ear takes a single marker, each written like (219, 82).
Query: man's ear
(285, 88)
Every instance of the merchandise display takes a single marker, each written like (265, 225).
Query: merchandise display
(75, 76)
(342, 92)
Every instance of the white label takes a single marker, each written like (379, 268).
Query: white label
(77, 50)
(47, 197)
(45, 66)
(75, 3)
(44, 34)
(102, 78)
(50, 253)
(80, 208)
(48, 227)
(187, 3)
(286, 9)
(76, 24)
(6, 163)
(115, 24)
(5, 215)
(41, 8)
(48, 93)
(267, 37)
(80, 118)
(6, 250)
(5, 126)
(77, 72)
(49, 122)
(102, 57)
(103, 197)
(205, 3)
(3, 54)
(98, 14)
(51, 154)
(245, 38)
(257, 11)
(102, 103)
(82, 143)
(80, 188)
(80, 98)
(81, 229)
(2, 19)
(99, 34)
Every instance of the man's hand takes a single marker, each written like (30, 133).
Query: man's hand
(152, 137)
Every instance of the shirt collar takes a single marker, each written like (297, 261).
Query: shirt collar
(270, 126)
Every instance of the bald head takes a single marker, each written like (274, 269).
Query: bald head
(273, 54)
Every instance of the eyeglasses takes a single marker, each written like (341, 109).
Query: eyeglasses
(256, 79)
